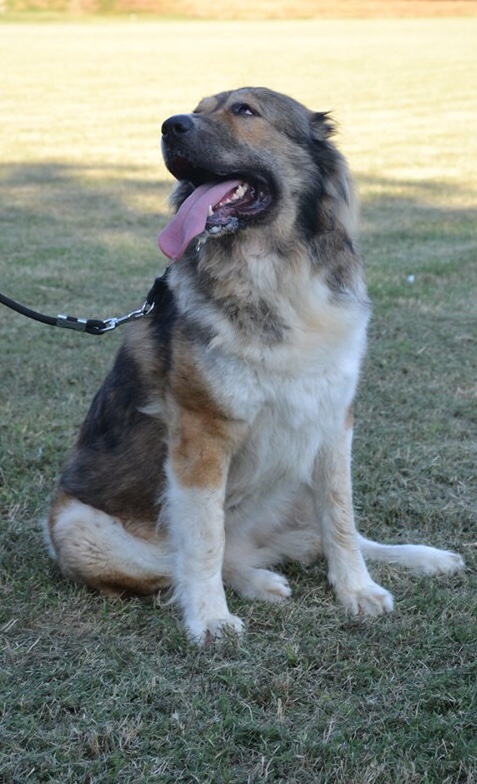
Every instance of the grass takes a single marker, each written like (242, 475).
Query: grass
(96, 691)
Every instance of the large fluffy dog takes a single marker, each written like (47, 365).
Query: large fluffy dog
(219, 444)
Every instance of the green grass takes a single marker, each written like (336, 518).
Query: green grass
(95, 691)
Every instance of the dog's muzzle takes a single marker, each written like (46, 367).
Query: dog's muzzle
(223, 200)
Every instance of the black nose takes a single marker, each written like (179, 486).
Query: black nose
(177, 125)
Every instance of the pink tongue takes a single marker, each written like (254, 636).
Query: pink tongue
(192, 216)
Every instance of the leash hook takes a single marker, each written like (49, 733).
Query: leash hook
(117, 321)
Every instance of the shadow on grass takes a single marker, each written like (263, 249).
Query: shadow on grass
(408, 211)
(70, 233)
(65, 227)
(78, 181)
(53, 202)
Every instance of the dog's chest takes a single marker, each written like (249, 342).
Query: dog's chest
(291, 394)
(289, 416)
(289, 428)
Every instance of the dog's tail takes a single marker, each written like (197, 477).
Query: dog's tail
(418, 557)
(105, 553)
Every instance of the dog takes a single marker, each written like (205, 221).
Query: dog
(219, 444)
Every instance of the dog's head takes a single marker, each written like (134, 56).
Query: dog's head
(250, 157)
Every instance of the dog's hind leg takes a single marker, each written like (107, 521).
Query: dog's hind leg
(96, 549)
(245, 563)
(419, 558)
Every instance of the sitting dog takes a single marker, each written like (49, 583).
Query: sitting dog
(219, 444)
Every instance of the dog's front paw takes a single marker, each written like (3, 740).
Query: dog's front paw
(204, 632)
(369, 599)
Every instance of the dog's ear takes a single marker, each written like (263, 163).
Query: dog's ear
(322, 126)
(336, 180)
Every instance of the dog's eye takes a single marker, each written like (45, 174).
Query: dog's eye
(243, 110)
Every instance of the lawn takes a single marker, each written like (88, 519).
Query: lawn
(96, 691)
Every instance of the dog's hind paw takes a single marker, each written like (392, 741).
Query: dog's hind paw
(267, 586)
(262, 584)
(270, 586)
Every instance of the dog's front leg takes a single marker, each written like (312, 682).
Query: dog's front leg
(347, 571)
(199, 457)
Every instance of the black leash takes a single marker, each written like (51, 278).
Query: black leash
(91, 326)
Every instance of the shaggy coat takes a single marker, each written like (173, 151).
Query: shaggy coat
(220, 443)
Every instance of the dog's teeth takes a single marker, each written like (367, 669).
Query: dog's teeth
(238, 193)
(241, 190)
(215, 229)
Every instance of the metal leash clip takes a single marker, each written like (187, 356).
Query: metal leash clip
(112, 323)
(99, 327)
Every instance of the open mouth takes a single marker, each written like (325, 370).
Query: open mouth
(243, 201)
(219, 204)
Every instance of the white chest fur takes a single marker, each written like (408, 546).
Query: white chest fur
(287, 424)
(294, 398)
